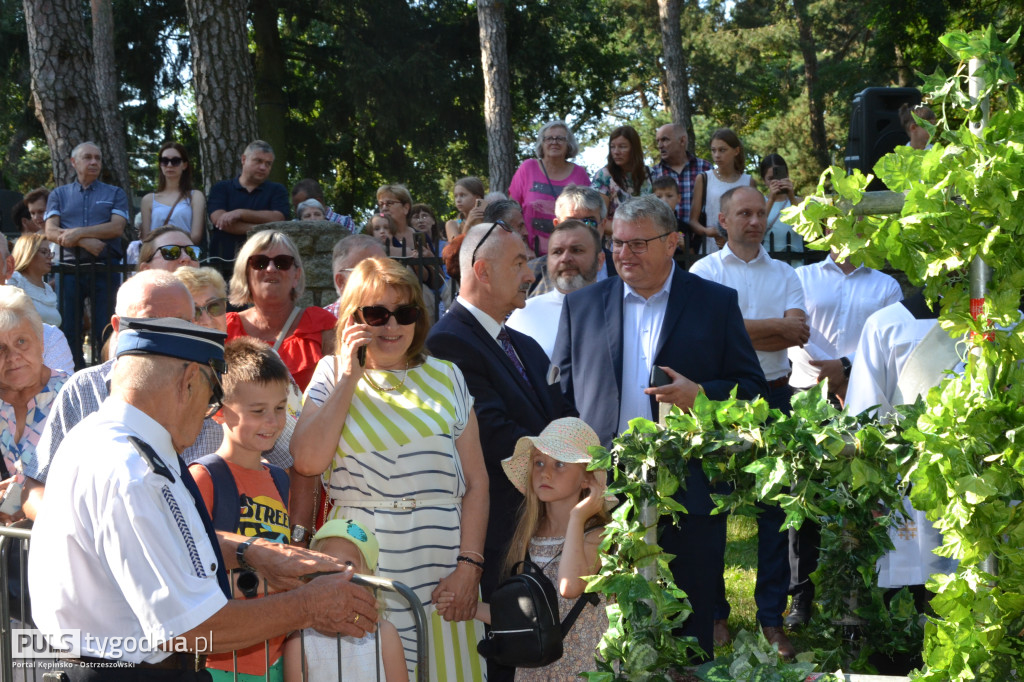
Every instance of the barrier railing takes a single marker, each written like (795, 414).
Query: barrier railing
(15, 542)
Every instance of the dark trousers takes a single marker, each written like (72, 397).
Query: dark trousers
(804, 545)
(773, 573)
(494, 558)
(698, 543)
(99, 287)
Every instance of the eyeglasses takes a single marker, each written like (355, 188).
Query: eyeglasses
(637, 246)
(171, 161)
(174, 252)
(487, 234)
(378, 315)
(555, 138)
(386, 204)
(216, 393)
(261, 262)
(586, 221)
(215, 307)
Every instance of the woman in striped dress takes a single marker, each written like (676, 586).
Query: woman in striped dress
(396, 440)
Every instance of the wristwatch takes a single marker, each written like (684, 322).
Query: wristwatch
(240, 554)
(846, 366)
(299, 533)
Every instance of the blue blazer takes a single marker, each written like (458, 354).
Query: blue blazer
(507, 408)
(703, 338)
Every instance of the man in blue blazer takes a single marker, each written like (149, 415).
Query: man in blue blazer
(610, 335)
(514, 385)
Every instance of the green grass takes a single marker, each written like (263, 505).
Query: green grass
(740, 575)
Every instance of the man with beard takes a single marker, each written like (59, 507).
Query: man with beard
(574, 258)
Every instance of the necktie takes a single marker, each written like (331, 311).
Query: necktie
(506, 345)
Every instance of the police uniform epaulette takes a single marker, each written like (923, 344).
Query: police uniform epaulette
(149, 454)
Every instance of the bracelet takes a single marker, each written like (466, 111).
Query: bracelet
(469, 551)
(466, 560)
(240, 554)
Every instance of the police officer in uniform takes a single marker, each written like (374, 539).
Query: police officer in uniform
(123, 549)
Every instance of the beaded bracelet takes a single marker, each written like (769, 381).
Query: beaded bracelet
(466, 560)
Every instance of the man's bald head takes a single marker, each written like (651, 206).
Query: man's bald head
(154, 293)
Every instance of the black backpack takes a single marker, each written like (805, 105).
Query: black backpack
(226, 512)
(525, 632)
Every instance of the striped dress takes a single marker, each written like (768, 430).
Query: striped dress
(399, 445)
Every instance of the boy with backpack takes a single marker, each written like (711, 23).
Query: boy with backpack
(243, 494)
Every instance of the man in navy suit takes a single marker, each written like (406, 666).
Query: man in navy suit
(613, 332)
(514, 386)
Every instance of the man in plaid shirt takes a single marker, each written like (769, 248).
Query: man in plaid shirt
(678, 163)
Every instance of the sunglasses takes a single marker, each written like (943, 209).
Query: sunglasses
(174, 252)
(487, 234)
(171, 161)
(378, 315)
(215, 307)
(261, 262)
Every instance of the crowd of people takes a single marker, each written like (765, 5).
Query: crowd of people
(234, 431)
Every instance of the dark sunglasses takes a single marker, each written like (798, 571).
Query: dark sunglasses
(261, 262)
(487, 234)
(174, 252)
(171, 161)
(378, 315)
(215, 307)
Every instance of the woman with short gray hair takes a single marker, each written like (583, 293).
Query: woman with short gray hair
(538, 182)
(27, 390)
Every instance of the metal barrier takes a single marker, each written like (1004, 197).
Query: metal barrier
(12, 537)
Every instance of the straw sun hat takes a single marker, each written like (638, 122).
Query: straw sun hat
(566, 439)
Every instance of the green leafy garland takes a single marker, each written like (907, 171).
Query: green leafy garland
(959, 450)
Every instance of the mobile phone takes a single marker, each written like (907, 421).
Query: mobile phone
(361, 356)
(781, 173)
(659, 377)
(12, 499)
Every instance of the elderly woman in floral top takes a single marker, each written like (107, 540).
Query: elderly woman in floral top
(27, 390)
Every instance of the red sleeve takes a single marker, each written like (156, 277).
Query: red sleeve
(304, 348)
(235, 329)
(204, 483)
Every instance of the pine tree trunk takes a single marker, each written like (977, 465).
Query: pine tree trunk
(115, 156)
(223, 82)
(501, 153)
(675, 66)
(815, 106)
(63, 88)
(271, 79)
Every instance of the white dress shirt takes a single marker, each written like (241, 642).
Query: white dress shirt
(119, 550)
(766, 288)
(838, 305)
(539, 319)
(642, 320)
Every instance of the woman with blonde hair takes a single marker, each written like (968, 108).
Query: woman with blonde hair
(268, 277)
(393, 433)
(32, 262)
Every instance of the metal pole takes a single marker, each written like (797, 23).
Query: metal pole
(979, 272)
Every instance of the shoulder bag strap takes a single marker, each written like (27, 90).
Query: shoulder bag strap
(581, 601)
(287, 327)
(547, 177)
(171, 212)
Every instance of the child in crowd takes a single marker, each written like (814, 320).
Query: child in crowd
(242, 494)
(382, 227)
(667, 189)
(729, 159)
(353, 545)
(559, 524)
(468, 194)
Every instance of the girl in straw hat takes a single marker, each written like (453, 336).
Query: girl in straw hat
(560, 524)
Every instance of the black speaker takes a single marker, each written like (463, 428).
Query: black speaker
(875, 128)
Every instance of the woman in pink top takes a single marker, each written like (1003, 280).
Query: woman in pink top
(538, 182)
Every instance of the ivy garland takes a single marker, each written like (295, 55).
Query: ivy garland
(958, 451)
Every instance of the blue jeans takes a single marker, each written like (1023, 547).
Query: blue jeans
(99, 286)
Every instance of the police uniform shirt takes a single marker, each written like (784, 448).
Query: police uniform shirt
(119, 549)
